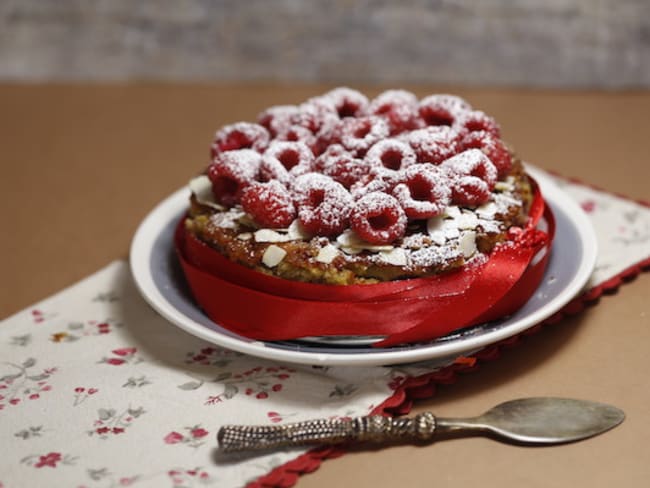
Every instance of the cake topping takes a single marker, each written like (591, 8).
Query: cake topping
(378, 218)
(392, 181)
(270, 204)
(423, 191)
(323, 204)
(231, 172)
(242, 135)
(473, 177)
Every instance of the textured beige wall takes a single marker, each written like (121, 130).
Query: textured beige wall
(600, 43)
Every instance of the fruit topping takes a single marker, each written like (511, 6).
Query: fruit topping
(378, 218)
(283, 159)
(473, 177)
(434, 144)
(398, 107)
(231, 172)
(270, 204)
(242, 135)
(493, 147)
(323, 204)
(423, 191)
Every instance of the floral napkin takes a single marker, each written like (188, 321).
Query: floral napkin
(98, 391)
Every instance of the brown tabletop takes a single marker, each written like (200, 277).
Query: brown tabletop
(82, 165)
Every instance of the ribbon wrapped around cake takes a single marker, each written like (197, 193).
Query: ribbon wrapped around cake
(264, 307)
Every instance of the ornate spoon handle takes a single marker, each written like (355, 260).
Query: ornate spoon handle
(372, 428)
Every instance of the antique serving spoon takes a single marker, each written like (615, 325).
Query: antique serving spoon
(541, 420)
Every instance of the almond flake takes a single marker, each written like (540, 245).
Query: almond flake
(467, 244)
(396, 257)
(201, 186)
(273, 256)
(268, 235)
(327, 254)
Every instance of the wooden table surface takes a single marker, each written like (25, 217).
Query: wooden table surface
(82, 165)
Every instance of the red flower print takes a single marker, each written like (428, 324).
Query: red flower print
(102, 430)
(79, 389)
(117, 430)
(588, 206)
(115, 361)
(124, 355)
(125, 351)
(199, 432)
(92, 391)
(48, 460)
(173, 438)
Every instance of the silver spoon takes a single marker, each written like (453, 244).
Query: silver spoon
(541, 420)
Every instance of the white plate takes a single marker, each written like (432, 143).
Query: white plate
(161, 282)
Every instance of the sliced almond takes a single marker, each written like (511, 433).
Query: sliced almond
(268, 235)
(273, 256)
(327, 254)
(395, 256)
(467, 244)
(297, 232)
(201, 186)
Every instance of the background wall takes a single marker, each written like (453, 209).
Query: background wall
(556, 43)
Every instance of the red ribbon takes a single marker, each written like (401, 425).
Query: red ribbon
(268, 308)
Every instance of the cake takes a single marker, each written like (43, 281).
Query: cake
(343, 190)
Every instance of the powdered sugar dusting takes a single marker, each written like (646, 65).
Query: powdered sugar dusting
(393, 181)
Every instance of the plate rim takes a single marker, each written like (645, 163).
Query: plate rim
(142, 246)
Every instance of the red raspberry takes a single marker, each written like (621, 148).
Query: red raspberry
(323, 204)
(285, 158)
(358, 135)
(315, 113)
(423, 192)
(348, 102)
(270, 204)
(473, 177)
(398, 107)
(340, 165)
(390, 154)
(442, 109)
(477, 121)
(492, 147)
(434, 144)
(231, 172)
(242, 135)
(378, 218)
(277, 119)
(297, 133)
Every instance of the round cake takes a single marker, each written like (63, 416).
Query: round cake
(343, 190)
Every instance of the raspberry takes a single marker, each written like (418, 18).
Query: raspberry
(434, 144)
(358, 135)
(269, 204)
(315, 113)
(323, 204)
(285, 158)
(340, 165)
(378, 218)
(423, 191)
(390, 154)
(473, 177)
(231, 172)
(348, 102)
(242, 135)
(492, 147)
(298, 133)
(442, 109)
(399, 107)
(478, 121)
(277, 119)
